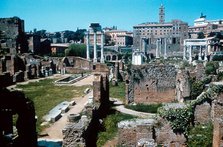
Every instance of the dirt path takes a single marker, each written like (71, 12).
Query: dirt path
(55, 130)
(119, 106)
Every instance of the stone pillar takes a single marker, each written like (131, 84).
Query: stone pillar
(206, 52)
(190, 53)
(102, 47)
(95, 47)
(165, 44)
(87, 45)
(144, 45)
(200, 53)
(184, 53)
(157, 48)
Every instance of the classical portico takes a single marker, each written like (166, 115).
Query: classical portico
(94, 31)
(199, 47)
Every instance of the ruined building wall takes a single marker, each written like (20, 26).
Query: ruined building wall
(152, 83)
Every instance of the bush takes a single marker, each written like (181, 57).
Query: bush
(200, 135)
(197, 88)
(220, 76)
(211, 67)
(152, 108)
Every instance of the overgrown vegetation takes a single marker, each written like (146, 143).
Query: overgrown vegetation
(181, 118)
(151, 108)
(211, 67)
(76, 50)
(200, 135)
(110, 127)
(117, 91)
(197, 87)
(46, 95)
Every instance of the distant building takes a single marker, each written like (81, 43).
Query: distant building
(59, 48)
(13, 34)
(202, 25)
(146, 35)
(120, 37)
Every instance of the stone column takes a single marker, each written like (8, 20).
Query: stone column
(157, 48)
(87, 45)
(185, 49)
(190, 53)
(206, 52)
(144, 45)
(102, 47)
(165, 54)
(95, 47)
(200, 53)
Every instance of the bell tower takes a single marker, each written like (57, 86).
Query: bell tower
(161, 14)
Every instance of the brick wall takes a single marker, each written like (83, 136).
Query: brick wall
(152, 83)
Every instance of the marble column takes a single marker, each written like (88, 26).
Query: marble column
(184, 53)
(87, 45)
(165, 44)
(206, 52)
(95, 47)
(190, 53)
(200, 53)
(102, 47)
(144, 45)
(157, 48)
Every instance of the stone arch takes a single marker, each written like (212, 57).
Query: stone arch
(114, 57)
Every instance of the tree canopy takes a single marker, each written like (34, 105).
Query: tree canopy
(76, 50)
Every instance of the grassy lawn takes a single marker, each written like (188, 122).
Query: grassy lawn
(46, 95)
(110, 125)
(152, 108)
(117, 91)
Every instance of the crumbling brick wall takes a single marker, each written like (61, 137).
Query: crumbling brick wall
(152, 83)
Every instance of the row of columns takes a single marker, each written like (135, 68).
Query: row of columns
(190, 47)
(158, 48)
(95, 47)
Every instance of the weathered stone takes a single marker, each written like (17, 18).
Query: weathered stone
(132, 131)
(202, 113)
(152, 83)
(182, 85)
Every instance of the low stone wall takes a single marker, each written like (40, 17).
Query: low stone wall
(131, 133)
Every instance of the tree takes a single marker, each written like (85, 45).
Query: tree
(200, 35)
(76, 50)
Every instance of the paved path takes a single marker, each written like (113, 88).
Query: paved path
(55, 130)
(119, 106)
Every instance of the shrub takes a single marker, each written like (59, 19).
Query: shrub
(200, 135)
(211, 67)
(220, 76)
(197, 88)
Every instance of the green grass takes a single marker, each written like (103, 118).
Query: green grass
(110, 125)
(117, 91)
(152, 108)
(46, 95)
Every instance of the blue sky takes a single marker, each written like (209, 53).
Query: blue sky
(59, 15)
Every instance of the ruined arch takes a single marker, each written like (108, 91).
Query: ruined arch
(15, 102)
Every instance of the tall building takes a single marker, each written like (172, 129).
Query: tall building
(202, 25)
(171, 34)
